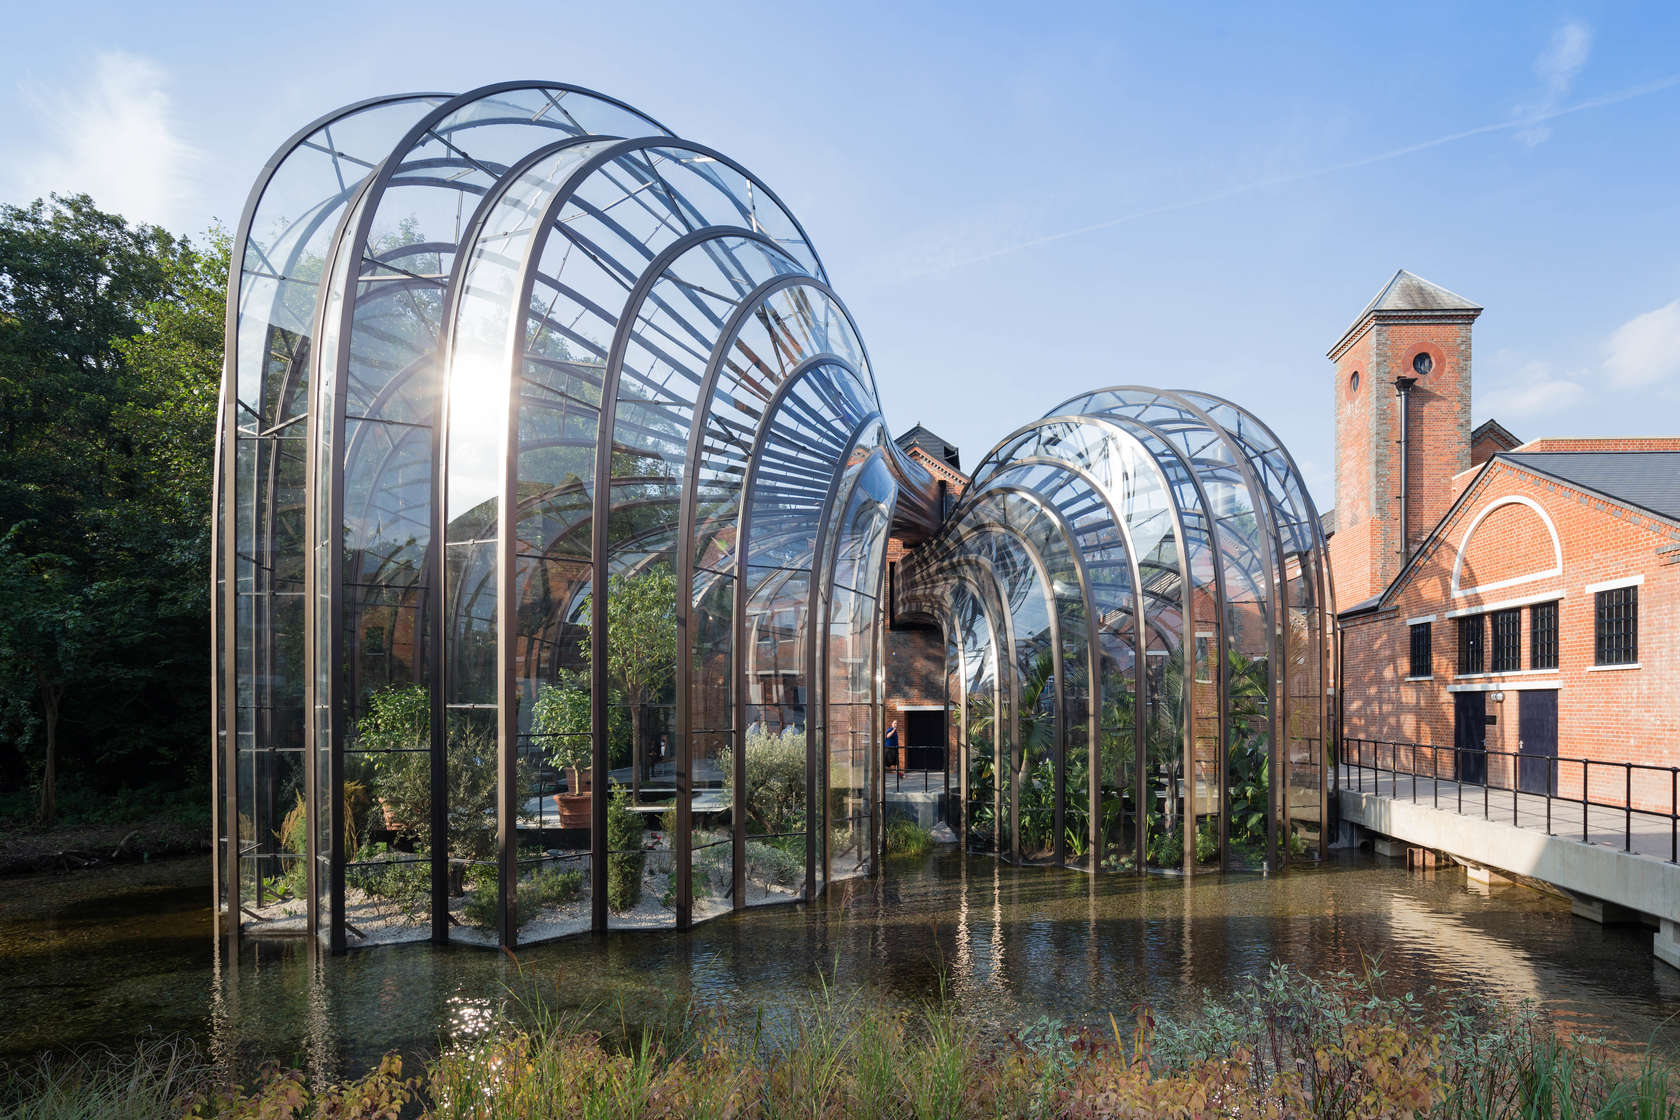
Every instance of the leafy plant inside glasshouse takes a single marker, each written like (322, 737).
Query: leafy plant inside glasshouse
(775, 786)
(625, 856)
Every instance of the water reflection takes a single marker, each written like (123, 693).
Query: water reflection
(105, 956)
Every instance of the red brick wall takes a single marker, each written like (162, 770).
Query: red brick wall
(1610, 715)
(1350, 548)
(1486, 448)
(1367, 552)
(915, 665)
(1508, 542)
(1654, 443)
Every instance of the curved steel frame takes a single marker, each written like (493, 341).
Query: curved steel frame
(733, 431)
(1159, 424)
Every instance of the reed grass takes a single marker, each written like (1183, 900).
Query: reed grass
(1284, 1045)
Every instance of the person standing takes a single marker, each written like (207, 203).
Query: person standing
(892, 744)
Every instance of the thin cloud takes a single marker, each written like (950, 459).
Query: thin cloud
(1645, 350)
(1556, 68)
(1630, 94)
(1642, 353)
(112, 135)
(1533, 390)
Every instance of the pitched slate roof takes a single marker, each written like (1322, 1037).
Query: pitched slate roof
(1407, 292)
(1645, 480)
(934, 445)
(1649, 480)
(1497, 431)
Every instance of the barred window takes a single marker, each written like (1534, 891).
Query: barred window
(1421, 666)
(1470, 643)
(1616, 626)
(1507, 641)
(1543, 636)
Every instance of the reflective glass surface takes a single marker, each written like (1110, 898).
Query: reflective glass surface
(552, 536)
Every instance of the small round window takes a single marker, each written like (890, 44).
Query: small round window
(1423, 364)
(1353, 382)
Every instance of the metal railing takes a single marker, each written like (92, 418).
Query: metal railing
(1429, 763)
(930, 779)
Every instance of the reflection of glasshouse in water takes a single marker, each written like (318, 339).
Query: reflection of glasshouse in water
(554, 500)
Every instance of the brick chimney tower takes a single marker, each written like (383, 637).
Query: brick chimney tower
(1402, 428)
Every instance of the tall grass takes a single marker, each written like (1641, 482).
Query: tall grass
(906, 838)
(1285, 1045)
(149, 1083)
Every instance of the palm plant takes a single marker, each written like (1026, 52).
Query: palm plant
(1249, 768)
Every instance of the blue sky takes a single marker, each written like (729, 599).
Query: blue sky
(1020, 202)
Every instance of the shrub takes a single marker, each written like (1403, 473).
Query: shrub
(775, 792)
(1207, 840)
(543, 888)
(624, 852)
(398, 721)
(396, 876)
(772, 864)
(1165, 848)
(906, 838)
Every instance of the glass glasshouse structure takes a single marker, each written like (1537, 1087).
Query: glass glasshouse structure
(1135, 596)
(551, 583)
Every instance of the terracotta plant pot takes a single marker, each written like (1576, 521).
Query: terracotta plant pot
(574, 809)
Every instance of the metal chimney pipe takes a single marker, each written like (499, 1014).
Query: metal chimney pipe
(1403, 386)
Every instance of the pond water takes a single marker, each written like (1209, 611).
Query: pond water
(110, 955)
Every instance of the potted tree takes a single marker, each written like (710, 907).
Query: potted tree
(641, 652)
(561, 717)
(561, 720)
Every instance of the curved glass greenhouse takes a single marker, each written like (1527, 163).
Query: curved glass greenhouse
(1136, 600)
(553, 503)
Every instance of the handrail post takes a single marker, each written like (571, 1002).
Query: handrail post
(1487, 780)
(1434, 776)
(1458, 777)
(1627, 809)
(1586, 777)
(1673, 815)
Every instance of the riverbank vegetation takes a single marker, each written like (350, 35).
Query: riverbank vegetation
(1284, 1046)
(93, 828)
(110, 357)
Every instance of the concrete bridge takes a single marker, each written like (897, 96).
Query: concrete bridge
(1615, 865)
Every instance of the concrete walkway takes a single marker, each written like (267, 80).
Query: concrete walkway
(1652, 835)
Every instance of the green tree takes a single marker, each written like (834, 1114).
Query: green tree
(641, 646)
(562, 717)
(110, 357)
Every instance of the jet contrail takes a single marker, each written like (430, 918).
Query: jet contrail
(1530, 121)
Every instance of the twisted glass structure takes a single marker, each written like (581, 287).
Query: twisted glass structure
(553, 496)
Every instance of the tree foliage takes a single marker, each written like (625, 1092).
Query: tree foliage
(110, 358)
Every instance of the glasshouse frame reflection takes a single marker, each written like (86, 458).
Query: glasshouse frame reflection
(553, 500)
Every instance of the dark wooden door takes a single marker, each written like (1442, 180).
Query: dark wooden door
(1537, 741)
(1469, 733)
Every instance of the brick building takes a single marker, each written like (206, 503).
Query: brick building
(915, 660)
(1508, 597)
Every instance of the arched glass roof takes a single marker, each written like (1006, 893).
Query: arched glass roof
(553, 503)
